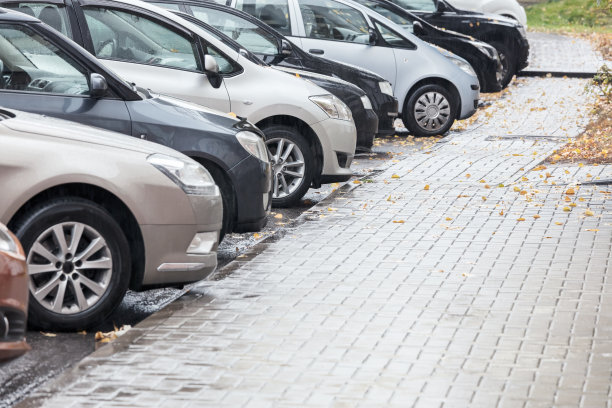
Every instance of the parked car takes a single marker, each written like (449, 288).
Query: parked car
(506, 8)
(366, 120)
(433, 90)
(98, 212)
(43, 72)
(482, 57)
(508, 36)
(13, 296)
(310, 133)
(275, 49)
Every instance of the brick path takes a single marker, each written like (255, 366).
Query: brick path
(560, 53)
(455, 306)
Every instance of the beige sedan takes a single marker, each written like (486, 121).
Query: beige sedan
(98, 212)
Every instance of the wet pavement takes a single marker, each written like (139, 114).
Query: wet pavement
(52, 353)
(461, 275)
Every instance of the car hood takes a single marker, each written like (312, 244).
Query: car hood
(485, 18)
(320, 78)
(42, 125)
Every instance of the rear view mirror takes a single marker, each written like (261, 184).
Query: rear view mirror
(417, 28)
(97, 86)
(212, 71)
(373, 36)
(286, 48)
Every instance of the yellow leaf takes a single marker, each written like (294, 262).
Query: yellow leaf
(523, 192)
(517, 189)
(256, 235)
(468, 175)
(449, 219)
(570, 191)
(232, 114)
(356, 182)
(572, 205)
(487, 186)
(536, 216)
(524, 178)
(566, 209)
(559, 223)
(592, 229)
(581, 199)
(46, 334)
(395, 176)
(521, 219)
(589, 213)
(501, 212)
(279, 216)
(484, 198)
(330, 209)
(398, 221)
(500, 185)
(426, 187)
(482, 181)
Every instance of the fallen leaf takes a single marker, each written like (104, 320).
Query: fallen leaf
(517, 189)
(256, 235)
(521, 219)
(426, 187)
(395, 176)
(559, 223)
(356, 182)
(570, 191)
(566, 209)
(536, 216)
(278, 216)
(449, 219)
(592, 229)
(398, 221)
(330, 209)
(589, 213)
(47, 334)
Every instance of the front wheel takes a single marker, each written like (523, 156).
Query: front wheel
(292, 162)
(78, 261)
(430, 110)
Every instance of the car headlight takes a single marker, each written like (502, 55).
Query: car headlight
(464, 66)
(333, 106)
(253, 144)
(10, 244)
(486, 50)
(386, 88)
(366, 102)
(190, 176)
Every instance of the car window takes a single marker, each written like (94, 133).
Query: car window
(247, 34)
(168, 6)
(30, 63)
(226, 66)
(391, 37)
(54, 15)
(422, 5)
(128, 36)
(384, 10)
(330, 20)
(274, 13)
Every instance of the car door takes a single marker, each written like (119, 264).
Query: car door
(337, 31)
(152, 53)
(38, 75)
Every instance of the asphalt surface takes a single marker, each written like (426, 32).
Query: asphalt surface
(52, 353)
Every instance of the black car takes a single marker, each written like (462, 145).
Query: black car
(289, 55)
(366, 120)
(481, 56)
(508, 36)
(44, 72)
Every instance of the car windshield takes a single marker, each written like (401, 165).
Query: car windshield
(388, 11)
(421, 5)
(249, 35)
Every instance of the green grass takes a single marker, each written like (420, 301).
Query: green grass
(571, 15)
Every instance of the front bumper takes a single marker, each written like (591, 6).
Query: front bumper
(523, 54)
(166, 245)
(489, 75)
(338, 141)
(252, 180)
(367, 126)
(387, 112)
(470, 95)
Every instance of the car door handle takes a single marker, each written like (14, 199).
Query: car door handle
(316, 51)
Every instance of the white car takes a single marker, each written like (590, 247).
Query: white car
(433, 90)
(310, 134)
(507, 8)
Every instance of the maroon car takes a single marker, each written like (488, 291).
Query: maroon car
(13, 296)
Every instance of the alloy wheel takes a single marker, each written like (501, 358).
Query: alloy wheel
(70, 267)
(432, 110)
(288, 166)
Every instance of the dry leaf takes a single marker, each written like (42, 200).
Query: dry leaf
(426, 187)
(279, 216)
(536, 216)
(395, 176)
(398, 221)
(521, 219)
(47, 334)
(589, 213)
(570, 191)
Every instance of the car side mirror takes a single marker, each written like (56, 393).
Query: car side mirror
(212, 71)
(441, 6)
(373, 36)
(417, 28)
(97, 86)
(285, 49)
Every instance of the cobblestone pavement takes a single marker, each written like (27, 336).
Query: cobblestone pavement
(560, 53)
(421, 287)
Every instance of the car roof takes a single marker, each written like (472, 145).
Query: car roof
(10, 15)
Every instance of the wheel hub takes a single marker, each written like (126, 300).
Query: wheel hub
(432, 111)
(288, 166)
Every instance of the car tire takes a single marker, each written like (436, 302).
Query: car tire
(507, 60)
(89, 274)
(293, 168)
(227, 198)
(430, 110)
